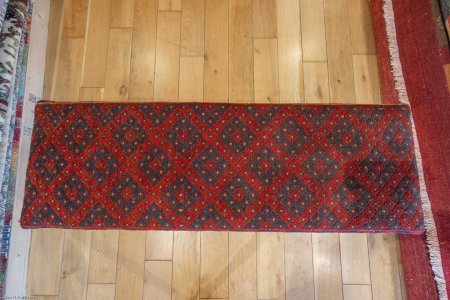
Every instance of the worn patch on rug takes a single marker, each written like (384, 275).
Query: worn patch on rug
(223, 167)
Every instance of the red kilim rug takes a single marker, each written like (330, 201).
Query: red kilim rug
(223, 167)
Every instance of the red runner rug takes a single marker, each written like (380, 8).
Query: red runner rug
(412, 71)
(223, 167)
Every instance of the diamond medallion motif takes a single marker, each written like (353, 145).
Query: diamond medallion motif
(398, 137)
(72, 193)
(210, 114)
(291, 137)
(78, 136)
(101, 164)
(157, 114)
(155, 164)
(324, 216)
(321, 166)
(346, 138)
(210, 165)
(239, 195)
(181, 195)
(130, 135)
(183, 136)
(369, 115)
(265, 165)
(105, 116)
(295, 196)
(353, 196)
(237, 136)
(263, 115)
(126, 193)
(50, 164)
(407, 196)
(378, 167)
(316, 115)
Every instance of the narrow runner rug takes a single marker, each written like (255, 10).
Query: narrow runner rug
(412, 55)
(223, 167)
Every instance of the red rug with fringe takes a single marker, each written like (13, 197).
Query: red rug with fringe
(411, 58)
(223, 167)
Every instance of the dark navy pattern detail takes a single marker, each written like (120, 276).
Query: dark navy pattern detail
(291, 137)
(237, 136)
(130, 135)
(154, 165)
(321, 166)
(265, 165)
(210, 165)
(346, 138)
(239, 195)
(183, 136)
(295, 196)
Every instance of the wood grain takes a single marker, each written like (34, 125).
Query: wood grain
(75, 13)
(167, 69)
(55, 25)
(384, 267)
(75, 264)
(270, 265)
(242, 265)
(193, 28)
(100, 291)
(327, 266)
(363, 40)
(90, 94)
(299, 267)
(290, 70)
(174, 5)
(159, 245)
(216, 51)
(316, 82)
(241, 50)
(94, 65)
(314, 43)
(68, 70)
(354, 258)
(265, 19)
(266, 71)
(143, 49)
(130, 265)
(45, 261)
(186, 262)
(357, 292)
(118, 64)
(191, 78)
(214, 266)
(339, 51)
(158, 280)
(122, 13)
(103, 257)
(367, 82)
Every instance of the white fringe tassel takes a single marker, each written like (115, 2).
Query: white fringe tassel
(400, 86)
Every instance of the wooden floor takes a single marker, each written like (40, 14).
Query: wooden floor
(212, 50)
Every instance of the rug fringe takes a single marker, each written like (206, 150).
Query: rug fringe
(432, 239)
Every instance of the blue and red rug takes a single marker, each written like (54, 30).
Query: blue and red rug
(223, 167)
